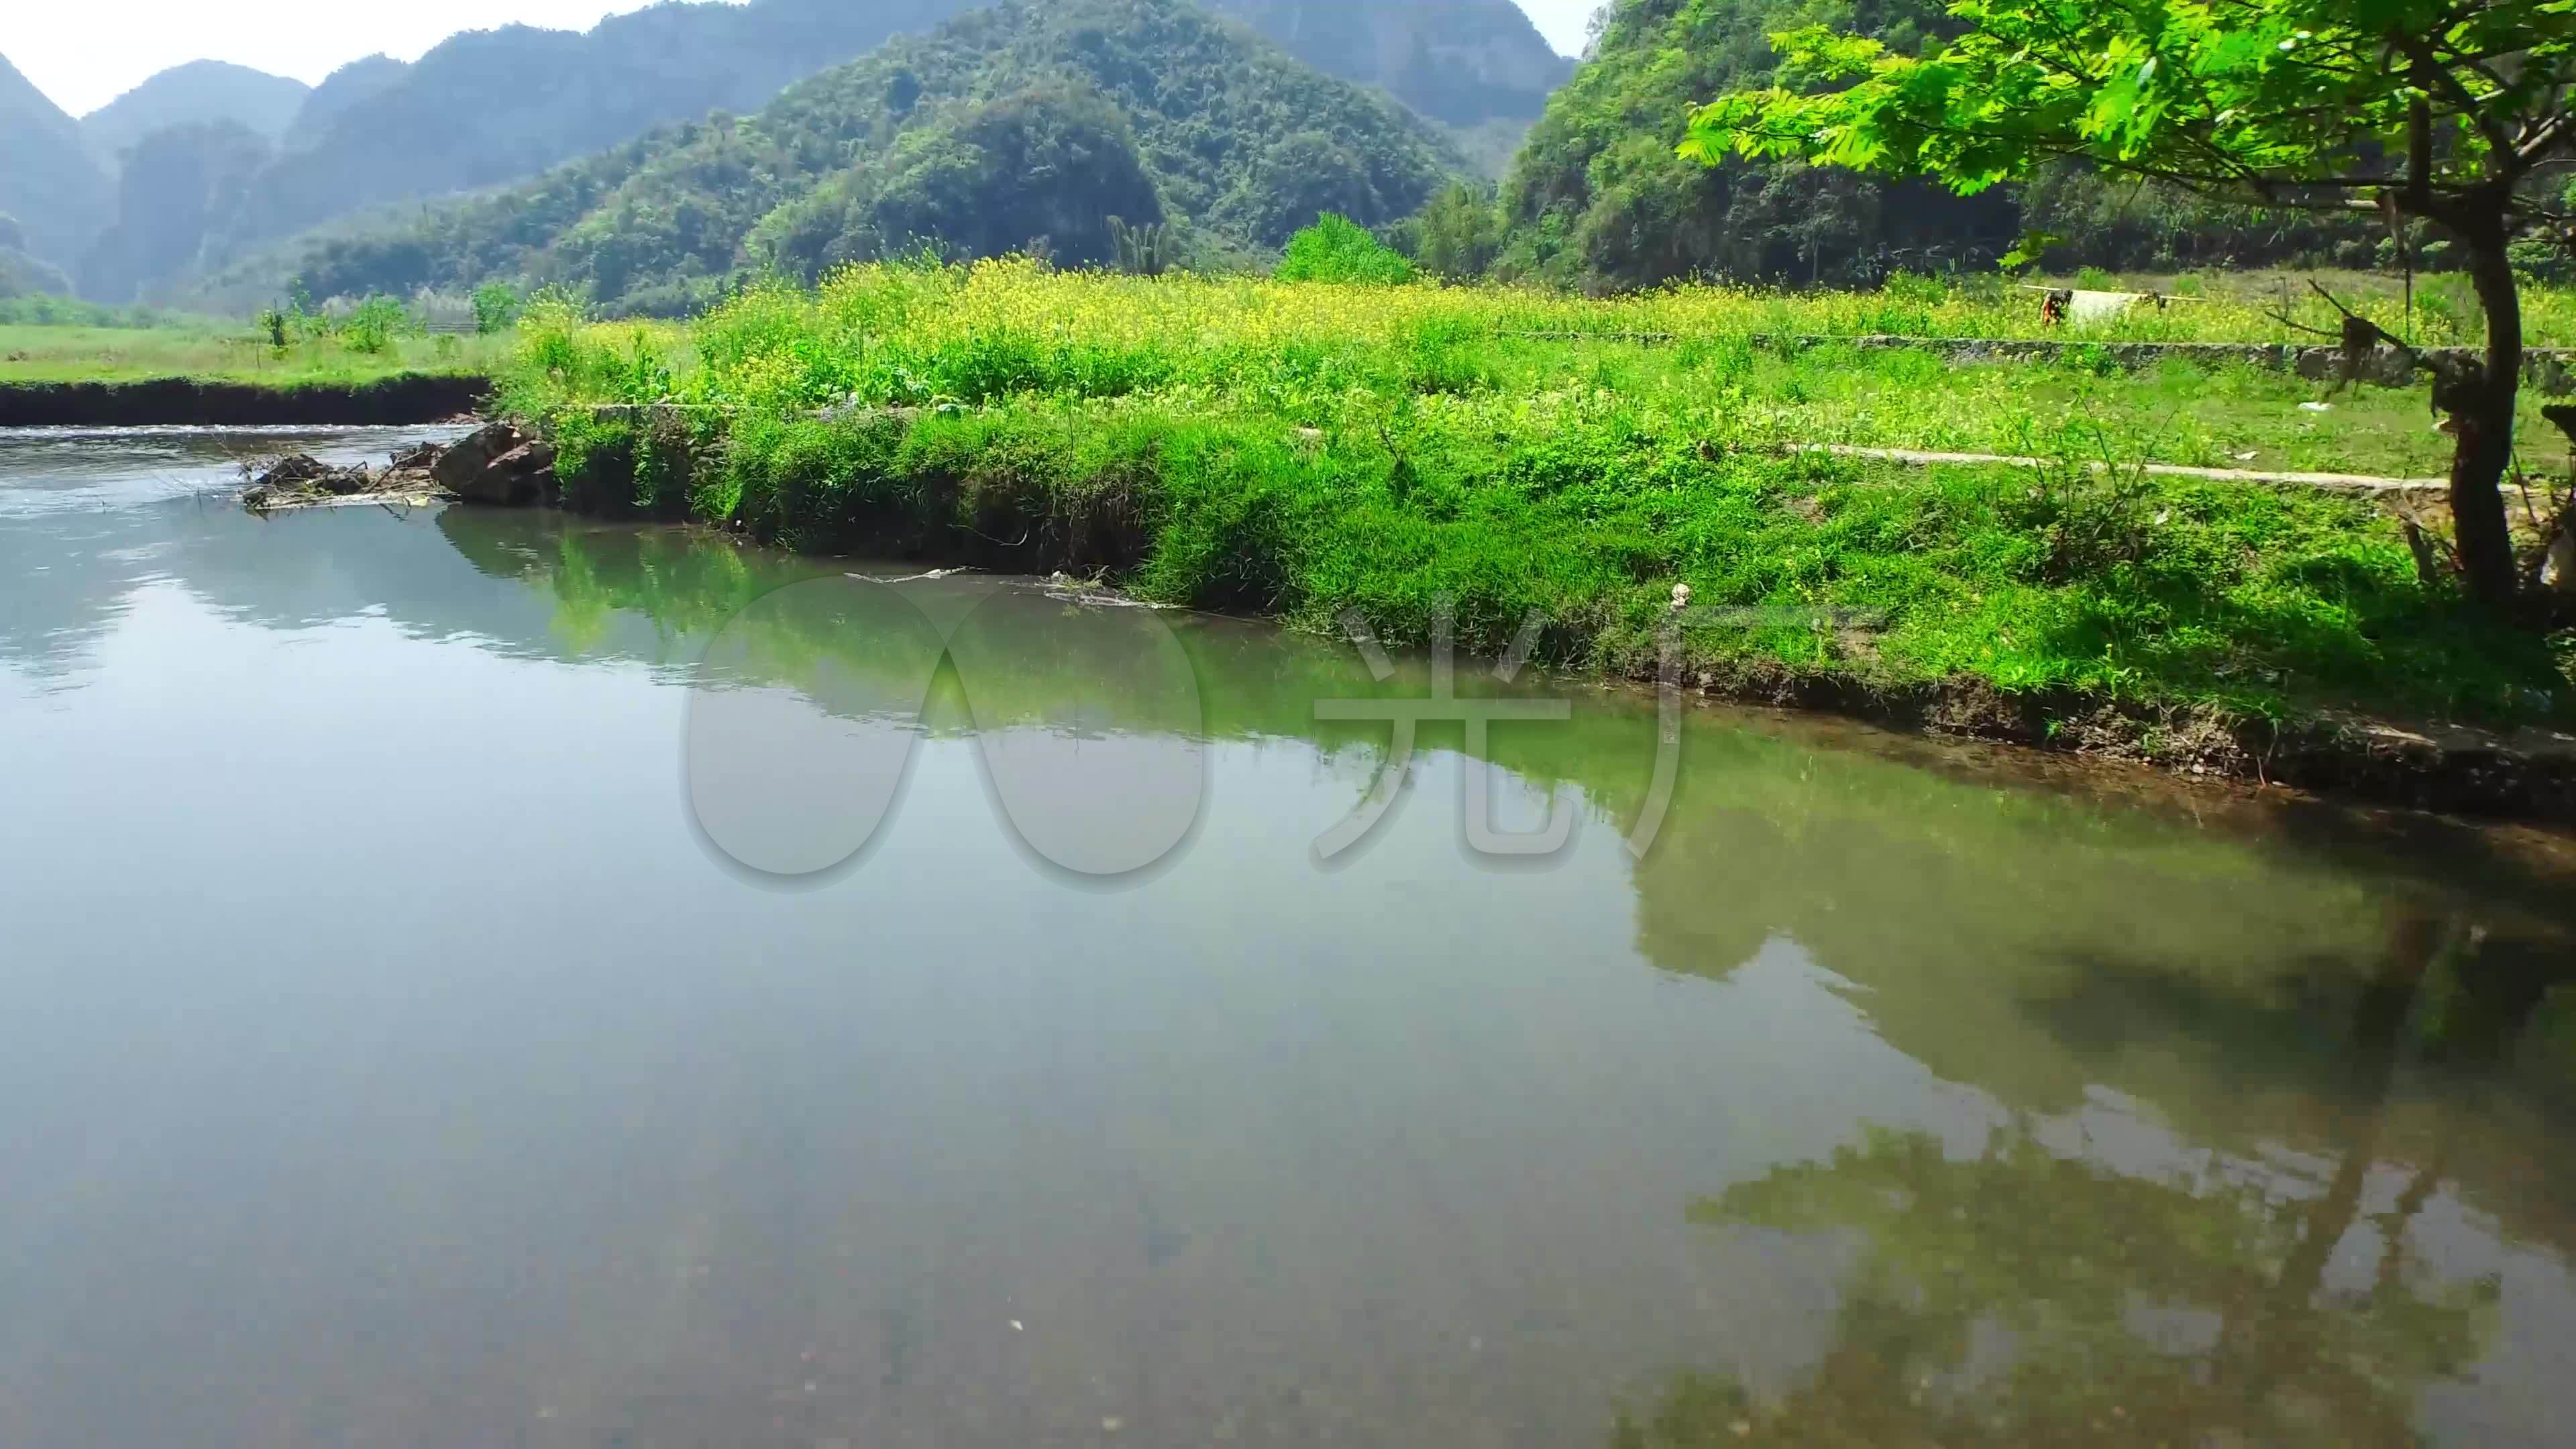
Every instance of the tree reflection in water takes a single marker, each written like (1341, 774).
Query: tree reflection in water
(2032, 1293)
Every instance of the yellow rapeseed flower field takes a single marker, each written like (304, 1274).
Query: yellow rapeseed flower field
(892, 331)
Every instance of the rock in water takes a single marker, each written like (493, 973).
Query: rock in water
(526, 473)
(497, 463)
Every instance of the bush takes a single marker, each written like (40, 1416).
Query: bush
(1457, 235)
(496, 306)
(1338, 249)
(374, 325)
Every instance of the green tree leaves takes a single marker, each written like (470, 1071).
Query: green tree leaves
(2452, 111)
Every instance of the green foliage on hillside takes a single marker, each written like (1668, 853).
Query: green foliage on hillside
(1458, 235)
(1241, 145)
(1597, 198)
(1040, 171)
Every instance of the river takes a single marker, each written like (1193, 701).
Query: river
(490, 978)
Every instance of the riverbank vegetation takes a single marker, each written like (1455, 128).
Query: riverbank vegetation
(294, 344)
(1301, 449)
(219, 352)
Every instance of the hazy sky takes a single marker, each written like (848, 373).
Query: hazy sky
(85, 53)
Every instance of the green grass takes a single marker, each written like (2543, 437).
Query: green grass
(216, 352)
(1246, 461)
(2239, 417)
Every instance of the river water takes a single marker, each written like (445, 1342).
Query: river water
(487, 978)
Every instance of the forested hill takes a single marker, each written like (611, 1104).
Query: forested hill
(1463, 62)
(1598, 197)
(48, 182)
(491, 106)
(1007, 125)
(200, 93)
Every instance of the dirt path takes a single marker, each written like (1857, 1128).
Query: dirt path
(2347, 482)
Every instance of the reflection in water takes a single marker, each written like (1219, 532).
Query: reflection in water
(2036, 1289)
(382, 1057)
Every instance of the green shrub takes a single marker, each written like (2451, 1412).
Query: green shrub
(496, 306)
(374, 325)
(1338, 249)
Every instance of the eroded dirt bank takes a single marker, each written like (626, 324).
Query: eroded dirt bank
(182, 401)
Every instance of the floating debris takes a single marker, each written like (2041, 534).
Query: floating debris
(300, 480)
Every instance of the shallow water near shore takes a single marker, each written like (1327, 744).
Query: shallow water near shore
(479, 977)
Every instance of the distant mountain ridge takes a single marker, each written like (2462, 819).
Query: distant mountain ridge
(1238, 141)
(489, 107)
(1461, 62)
(48, 182)
(199, 93)
(340, 92)
(486, 107)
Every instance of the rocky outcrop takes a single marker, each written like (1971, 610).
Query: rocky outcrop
(497, 463)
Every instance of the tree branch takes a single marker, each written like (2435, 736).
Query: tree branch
(2433, 75)
(2550, 133)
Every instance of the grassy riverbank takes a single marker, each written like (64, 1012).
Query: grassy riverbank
(1300, 450)
(209, 351)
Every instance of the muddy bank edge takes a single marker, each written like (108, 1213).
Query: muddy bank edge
(190, 402)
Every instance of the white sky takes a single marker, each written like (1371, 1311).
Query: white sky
(85, 53)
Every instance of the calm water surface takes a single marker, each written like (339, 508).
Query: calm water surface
(477, 978)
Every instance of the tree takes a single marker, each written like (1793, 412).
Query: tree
(2452, 111)
(496, 307)
(1457, 234)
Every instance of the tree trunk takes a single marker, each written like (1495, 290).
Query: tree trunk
(2484, 415)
